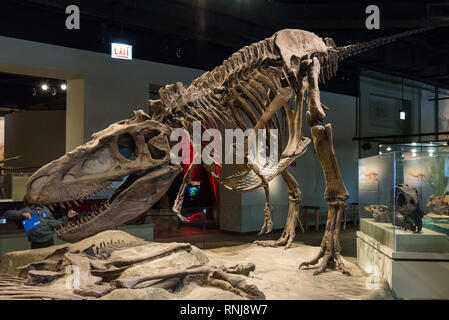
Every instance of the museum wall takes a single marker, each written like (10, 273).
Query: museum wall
(428, 111)
(229, 206)
(381, 100)
(37, 136)
(443, 111)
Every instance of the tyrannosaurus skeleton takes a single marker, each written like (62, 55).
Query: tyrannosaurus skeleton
(262, 86)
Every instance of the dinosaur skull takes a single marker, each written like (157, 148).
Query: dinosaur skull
(136, 148)
(407, 204)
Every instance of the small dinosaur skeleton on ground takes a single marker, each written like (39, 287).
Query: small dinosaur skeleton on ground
(264, 85)
(97, 274)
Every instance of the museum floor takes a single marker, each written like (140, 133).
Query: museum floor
(212, 238)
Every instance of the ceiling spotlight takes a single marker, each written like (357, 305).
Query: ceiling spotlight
(44, 87)
(388, 149)
(63, 86)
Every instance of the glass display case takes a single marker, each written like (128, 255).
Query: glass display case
(404, 199)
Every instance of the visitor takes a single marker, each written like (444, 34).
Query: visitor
(43, 223)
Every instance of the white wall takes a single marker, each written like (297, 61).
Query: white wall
(380, 101)
(428, 112)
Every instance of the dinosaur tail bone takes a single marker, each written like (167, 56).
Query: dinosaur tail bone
(353, 49)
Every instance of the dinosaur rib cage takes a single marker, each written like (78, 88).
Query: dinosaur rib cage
(235, 95)
(247, 99)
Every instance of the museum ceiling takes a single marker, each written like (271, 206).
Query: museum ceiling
(200, 34)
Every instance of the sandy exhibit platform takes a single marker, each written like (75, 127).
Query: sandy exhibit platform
(276, 273)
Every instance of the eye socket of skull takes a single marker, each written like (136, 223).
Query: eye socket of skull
(127, 146)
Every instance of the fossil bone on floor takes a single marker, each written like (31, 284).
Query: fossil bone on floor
(275, 276)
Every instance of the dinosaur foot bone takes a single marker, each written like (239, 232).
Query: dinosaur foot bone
(267, 223)
(330, 246)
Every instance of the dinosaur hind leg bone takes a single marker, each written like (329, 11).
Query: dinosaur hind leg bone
(268, 222)
(288, 235)
(336, 192)
(335, 195)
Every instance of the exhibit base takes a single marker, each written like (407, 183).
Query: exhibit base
(276, 272)
(411, 274)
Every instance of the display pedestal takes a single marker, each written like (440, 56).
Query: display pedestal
(419, 274)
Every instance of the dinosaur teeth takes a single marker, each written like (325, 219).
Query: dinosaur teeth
(62, 205)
